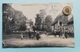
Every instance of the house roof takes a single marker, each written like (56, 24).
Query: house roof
(56, 19)
(71, 20)
(61, 18)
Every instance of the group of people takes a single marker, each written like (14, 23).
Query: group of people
(32, 35)
(62, 31)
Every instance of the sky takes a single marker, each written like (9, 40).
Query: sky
(30, 10)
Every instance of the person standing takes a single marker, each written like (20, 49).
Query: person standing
(21, 36)
(37, 36)
(66, 32)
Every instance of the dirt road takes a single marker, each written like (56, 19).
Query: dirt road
(45, 41)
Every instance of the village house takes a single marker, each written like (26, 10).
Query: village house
(59, 21)
(71, 27)
(62, 20)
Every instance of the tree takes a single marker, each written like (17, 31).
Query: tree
(31, 22)
(12, 19)
(19, 21)
(34, 28)
(42, 16)
(48, 22)
(7, 17)
(38, 21)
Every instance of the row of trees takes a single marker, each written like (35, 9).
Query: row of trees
(13, 20)
(43, 22)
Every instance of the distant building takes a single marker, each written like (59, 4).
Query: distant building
(28, 26)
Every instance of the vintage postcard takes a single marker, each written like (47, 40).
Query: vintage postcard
(37, 25)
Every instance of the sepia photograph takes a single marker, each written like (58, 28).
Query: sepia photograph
(38, 25)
